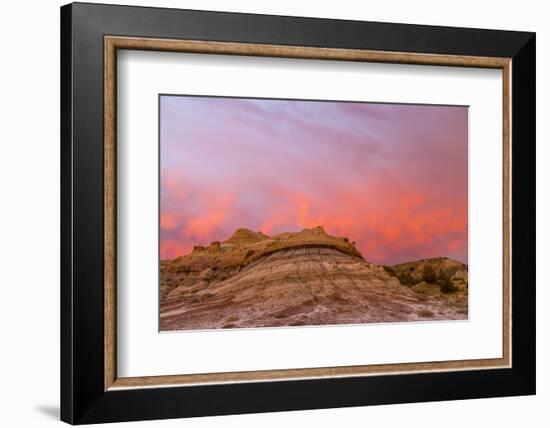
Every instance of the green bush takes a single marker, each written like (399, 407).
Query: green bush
(428, 274)
(390, 271)
(415, 280)
(445, 282)
(405, 279)
(448, 287)
(408, 279)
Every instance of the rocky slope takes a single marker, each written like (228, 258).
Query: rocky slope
(454, 290)
(456, 270)
(291, 279)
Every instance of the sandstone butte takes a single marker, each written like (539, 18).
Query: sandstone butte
(299, 279)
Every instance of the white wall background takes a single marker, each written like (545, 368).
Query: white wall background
(29, 214)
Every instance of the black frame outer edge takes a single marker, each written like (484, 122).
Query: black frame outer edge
(66, 368)
(524, 213)
(82, 397)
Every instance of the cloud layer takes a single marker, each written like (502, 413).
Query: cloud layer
(393, 178)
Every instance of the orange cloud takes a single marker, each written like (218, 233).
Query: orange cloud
(392, 178)
(216, 211)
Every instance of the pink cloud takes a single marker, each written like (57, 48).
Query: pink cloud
(393, 178)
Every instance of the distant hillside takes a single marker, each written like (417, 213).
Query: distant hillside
(302, 278)
(454, 268)
(440, 276)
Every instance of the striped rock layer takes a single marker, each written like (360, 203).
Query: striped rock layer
(292, 279)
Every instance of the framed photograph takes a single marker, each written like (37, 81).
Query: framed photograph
(265, 213)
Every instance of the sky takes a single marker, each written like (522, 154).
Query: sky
(391, 177)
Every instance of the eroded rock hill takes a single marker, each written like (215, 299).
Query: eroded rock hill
(291, 279)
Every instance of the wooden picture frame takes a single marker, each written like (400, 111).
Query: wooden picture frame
(91, 391)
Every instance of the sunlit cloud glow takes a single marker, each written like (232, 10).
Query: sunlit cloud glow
(391, 177)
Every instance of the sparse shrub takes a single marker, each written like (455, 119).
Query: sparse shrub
(449, 287)
(426, 313)
(415, 280)
(428, 274)
(445, 282)
(231, 318)
(405, 279)
(390, 271)
(296, 323)
(408, 279)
